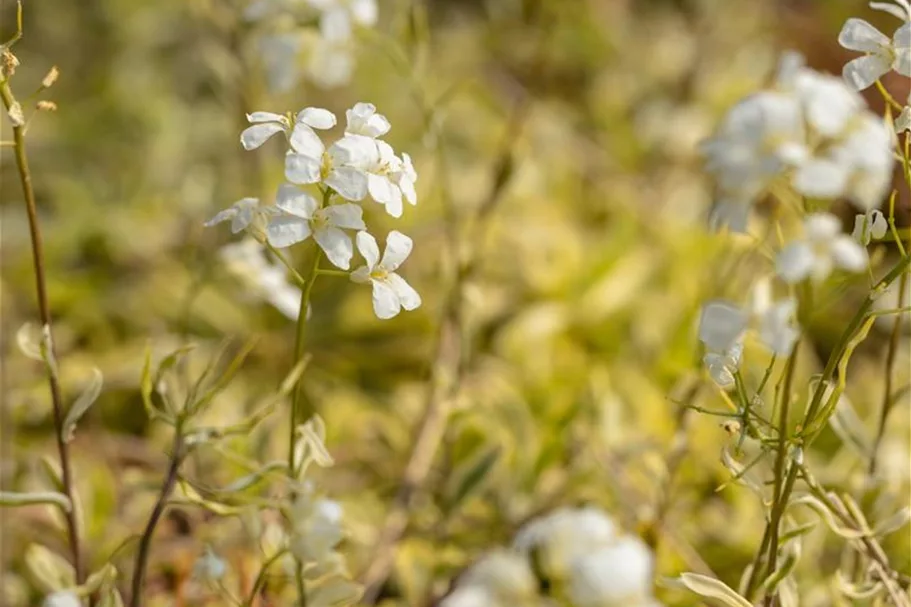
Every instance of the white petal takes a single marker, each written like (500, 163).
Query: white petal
(285, 230)
(721, 325)
(776, 329)
(349, 182)
(349, 216)
(821, 179)
(364, 12)
(901, 43)
(861, 231)
(730, 213)
(380, 188)
(305, 141)
(316, 117)
(795, 262)
(293, 201)
(337, 246)
(362, 119)
(862, 72)
(849, 255)
(335, 25)
(360, 275)
(258, 117)
(301, 169)
(355, 150)
(254, 136)
(895, 11)
(858, 35)
(398, 248)
(385, 302)
(821, 227)
(408, 297)
(368, 248)
(879, 225)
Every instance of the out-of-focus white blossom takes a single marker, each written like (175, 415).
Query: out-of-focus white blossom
(616, 575)
(316, 528)
(470, 596)
(722, 365)
(247, 259)
(557, 539)
(299, 215)
(868, 226)
(390, 291)
(822, 249)
(63, 598)
(881, 54)
(723, 323)
(506, 574)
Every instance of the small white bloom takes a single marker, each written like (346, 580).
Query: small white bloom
(329, 55)
(390, 291)
(822, 249)
(209, 567)
(903, 121)
(339, 167)
(617, 575)
(774, 320)
(363, 119)
(247, 259)
(828, 104)
(721, 325)
(242, 214)
(63, 598)
(301, 216)
(267, 124)
(858, 35)
(557, 539)
(723, 365)
(506, 574)
(360, 12)
(868, 226)
(280, 54)
(316, 528)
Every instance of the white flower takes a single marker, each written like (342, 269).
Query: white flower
(209, 567)
(388, 178)
(247, 259)
(723, 324)
(554, 541)
(267, 124)
(361, 12)
(880, 53)
(300, 215)
(616, 575)
(280, 53)
(758, 138)
(316, 528)
(390, 291)
(903, 122)
(242, 214)
(363, 119)
(63, 598)
(828, 104)
(329, 53)
(470, 596)
(868, 226)
(505, 573)
(339, 167)
(722, 365)
(822, 249)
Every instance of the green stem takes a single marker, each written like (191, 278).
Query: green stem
(44, 313)
(261, 577)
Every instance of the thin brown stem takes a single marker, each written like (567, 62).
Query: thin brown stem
(44, 312)
(145, 541)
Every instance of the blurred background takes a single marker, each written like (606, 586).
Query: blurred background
(571, 126)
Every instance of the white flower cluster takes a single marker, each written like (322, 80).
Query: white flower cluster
(324, 53)
(358, 166)
(810, 131)
(577, 555)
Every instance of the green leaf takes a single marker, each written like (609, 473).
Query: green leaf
(713, 589)
(472, 476)
(82, 404)
(50, 571)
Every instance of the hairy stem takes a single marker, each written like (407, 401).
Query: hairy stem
(145, 542)
(44, 312)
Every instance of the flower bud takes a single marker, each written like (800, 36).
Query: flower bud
(8, 64)
(46, 106)
(50, 78)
